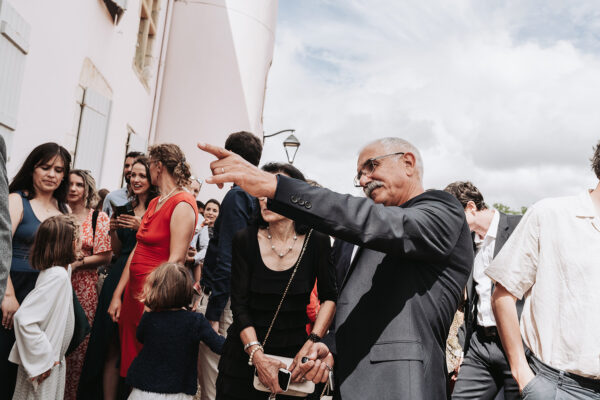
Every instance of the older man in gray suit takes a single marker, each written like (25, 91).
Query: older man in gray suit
(5, 226)
(405, 282)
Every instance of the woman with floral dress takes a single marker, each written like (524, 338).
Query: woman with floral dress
(95, 252)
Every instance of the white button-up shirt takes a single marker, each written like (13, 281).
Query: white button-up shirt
(553, 259)
(483, 284)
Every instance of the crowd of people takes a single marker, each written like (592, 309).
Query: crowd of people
(289, 290)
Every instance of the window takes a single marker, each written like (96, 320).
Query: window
(14, 45)
(146, 37)
(93, 128)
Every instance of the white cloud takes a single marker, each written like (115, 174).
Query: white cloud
(494, 94)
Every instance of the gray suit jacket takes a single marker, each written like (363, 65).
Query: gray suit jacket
(5, 225)
(506, 226)
(402, 289)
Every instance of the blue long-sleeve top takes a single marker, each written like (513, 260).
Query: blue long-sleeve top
(168, 361)
(237, 210)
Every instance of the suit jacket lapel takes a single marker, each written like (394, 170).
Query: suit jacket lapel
(502, 234)
(352, 266)
(470, 281)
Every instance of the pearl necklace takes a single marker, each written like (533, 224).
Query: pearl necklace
(163, 198)
(280, 254)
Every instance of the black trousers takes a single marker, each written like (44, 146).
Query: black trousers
(485, 372)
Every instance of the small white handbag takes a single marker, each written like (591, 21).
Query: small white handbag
(300, 389)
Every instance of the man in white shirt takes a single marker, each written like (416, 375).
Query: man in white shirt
(553, 261)
(485, 370)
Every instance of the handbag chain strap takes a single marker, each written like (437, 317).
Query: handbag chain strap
(287, 288)
(325, 389)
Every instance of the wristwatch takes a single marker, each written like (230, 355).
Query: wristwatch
(313, 337)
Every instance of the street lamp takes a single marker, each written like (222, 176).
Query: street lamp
(290, 144)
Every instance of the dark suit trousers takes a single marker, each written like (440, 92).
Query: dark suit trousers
(485, 372)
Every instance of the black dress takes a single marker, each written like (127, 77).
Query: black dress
(255, 293)
(104, 330)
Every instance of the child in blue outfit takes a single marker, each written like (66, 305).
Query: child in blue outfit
(166, 368)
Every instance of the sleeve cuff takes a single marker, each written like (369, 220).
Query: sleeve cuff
(512, 288)
(215, 308)
(331, 296)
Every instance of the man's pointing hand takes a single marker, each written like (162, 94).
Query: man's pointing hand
(230, 167)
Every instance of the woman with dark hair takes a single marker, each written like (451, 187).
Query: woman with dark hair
(95, 252)
(100, 375)
(164, 235)
(37, 192)
(269, 256)
(199, 244)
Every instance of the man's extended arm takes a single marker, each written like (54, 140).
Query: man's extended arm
(505, 312)
(5, 225)
(428, 229)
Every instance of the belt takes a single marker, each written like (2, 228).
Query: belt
(487, 331)
(558, 375)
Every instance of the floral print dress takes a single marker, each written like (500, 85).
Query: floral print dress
(84, 283)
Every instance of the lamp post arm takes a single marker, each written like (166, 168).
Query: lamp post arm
(277, 133)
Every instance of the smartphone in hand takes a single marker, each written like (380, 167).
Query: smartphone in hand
(126, 209)
(284, 377)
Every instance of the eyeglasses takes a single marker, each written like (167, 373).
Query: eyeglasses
(369, 166)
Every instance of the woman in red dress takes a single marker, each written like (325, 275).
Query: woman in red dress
(164, 235)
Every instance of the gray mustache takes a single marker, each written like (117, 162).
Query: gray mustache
(369, 187)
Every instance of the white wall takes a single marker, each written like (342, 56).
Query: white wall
(218, 54)
(63, 34)
(216, 68)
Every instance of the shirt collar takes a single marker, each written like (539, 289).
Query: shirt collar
(584, 208)
(492, 230)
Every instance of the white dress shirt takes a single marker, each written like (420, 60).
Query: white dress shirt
(553, 259)
(202, 245)
(197, 230)
(483, 284)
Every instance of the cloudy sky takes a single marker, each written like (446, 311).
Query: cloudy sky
(503, 93)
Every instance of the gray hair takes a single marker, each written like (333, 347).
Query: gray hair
(395, 144)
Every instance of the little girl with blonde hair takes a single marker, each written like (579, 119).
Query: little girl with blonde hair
(166, 367)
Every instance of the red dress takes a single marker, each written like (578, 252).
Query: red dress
(153, 248)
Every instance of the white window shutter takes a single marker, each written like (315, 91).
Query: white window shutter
(93, 129)
(14, 45)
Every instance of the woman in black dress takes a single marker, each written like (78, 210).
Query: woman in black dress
(100, 375)
(263, 259)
